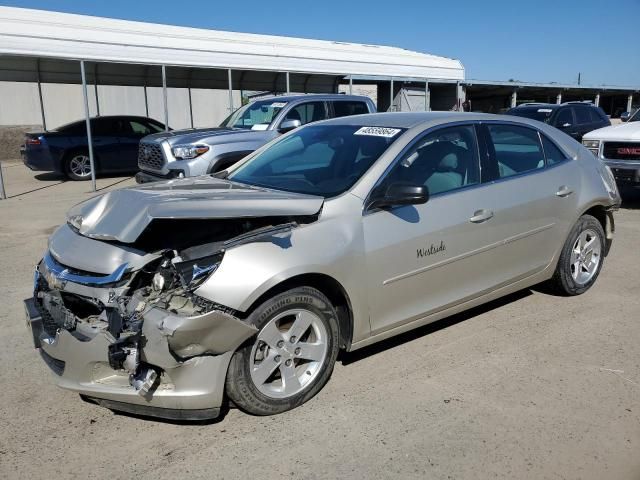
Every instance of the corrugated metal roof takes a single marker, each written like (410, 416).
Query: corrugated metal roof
(38, 33)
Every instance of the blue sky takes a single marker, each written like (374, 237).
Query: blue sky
(540, 40)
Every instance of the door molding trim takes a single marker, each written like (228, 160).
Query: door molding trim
(462, 256)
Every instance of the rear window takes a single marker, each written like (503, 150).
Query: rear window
(75, 128)
(517, 149)
(346, 108)
(539, 113)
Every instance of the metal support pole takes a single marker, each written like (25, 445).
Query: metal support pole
(230, 90)
(190, 107)
(44, 120)
(514, 99)
(559, 98)
(288, 84)
(88, 120)
(3, 195)
(427, 96)
(95, 89)
(629, 103)
(458, 97)
(391, 100)
(164, 98)
(146, 101)
(597, 100)
(350, 84)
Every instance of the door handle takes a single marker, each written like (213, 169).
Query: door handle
(480, 216)
(564, 191)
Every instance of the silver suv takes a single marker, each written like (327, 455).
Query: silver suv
(188, 153)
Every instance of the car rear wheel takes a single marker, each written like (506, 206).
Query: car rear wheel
(292, 356)
(581, 258)
(78, 166)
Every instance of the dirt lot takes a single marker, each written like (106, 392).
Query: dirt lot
(532, 386)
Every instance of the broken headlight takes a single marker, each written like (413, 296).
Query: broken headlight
(195, 271)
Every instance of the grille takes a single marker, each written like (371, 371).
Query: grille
(621, 150)
(150, 156)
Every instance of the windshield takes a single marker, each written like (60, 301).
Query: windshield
(635, 117)
(324, 160)
(541, 114)
(255, 115)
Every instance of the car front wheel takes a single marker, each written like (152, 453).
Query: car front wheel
(292, 356)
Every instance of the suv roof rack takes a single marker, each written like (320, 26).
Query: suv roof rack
(583, 102)
(530, 104)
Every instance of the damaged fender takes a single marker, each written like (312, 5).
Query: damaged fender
(214, 333)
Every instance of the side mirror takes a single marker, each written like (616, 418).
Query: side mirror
(398, 194)
(624, 116)
(288, 125)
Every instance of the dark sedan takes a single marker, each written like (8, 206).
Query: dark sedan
(64, 150)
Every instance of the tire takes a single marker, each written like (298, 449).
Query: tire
(586, 236)
(285, 347)
(77, 165)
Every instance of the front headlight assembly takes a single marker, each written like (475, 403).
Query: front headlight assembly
(187, 152)
(592, 145)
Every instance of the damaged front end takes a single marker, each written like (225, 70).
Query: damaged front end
(115, 312)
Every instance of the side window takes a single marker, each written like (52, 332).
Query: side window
(551, 152)
(444, 160)
(582, 114)
(347, 108)
(517, 149)
(308, 112)
(102, 126)
(564, 116)
(139, 127)
(595, 115)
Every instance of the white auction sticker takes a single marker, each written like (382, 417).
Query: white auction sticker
(278, 104)
(378, 131)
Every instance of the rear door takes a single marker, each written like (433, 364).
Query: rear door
(584, 121)
(105, 133)
(533, 200)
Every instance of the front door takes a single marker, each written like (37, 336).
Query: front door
(424, 258)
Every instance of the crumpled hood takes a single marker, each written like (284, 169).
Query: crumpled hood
(622, 132)
(207, 135)
(124, 214)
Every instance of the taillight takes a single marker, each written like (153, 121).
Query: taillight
(33, 141)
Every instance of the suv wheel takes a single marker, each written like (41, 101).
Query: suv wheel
(292, 356)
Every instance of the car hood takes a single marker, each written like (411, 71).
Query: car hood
(621, 132)
(207, 135)
(122, 215)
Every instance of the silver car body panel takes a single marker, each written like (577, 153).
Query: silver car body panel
(110, 216)
(370, 254)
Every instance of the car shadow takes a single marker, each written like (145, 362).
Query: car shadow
(50, 176)
(347, 358)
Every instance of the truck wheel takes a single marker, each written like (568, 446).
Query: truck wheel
(581, 258)
(292, 356)
(77, 165)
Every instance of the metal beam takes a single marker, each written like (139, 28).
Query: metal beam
(629, 103)
(230, 78)
(288, 84)
(88, 121)
(514, 99)
(391, 105)
(427, 96)
(146, 101)
(350, 84)
(95, 88)
(164, 98)
(3, 195)
(190, 107)
(597, 100)
(559, 98)
(44, 120)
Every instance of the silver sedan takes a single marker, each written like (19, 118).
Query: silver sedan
(167, 298)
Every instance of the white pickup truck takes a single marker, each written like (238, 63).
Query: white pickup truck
(619, 147)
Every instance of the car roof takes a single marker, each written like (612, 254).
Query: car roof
(315, 96)
(414, 119)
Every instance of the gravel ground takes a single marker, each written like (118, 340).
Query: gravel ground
(531, 386)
